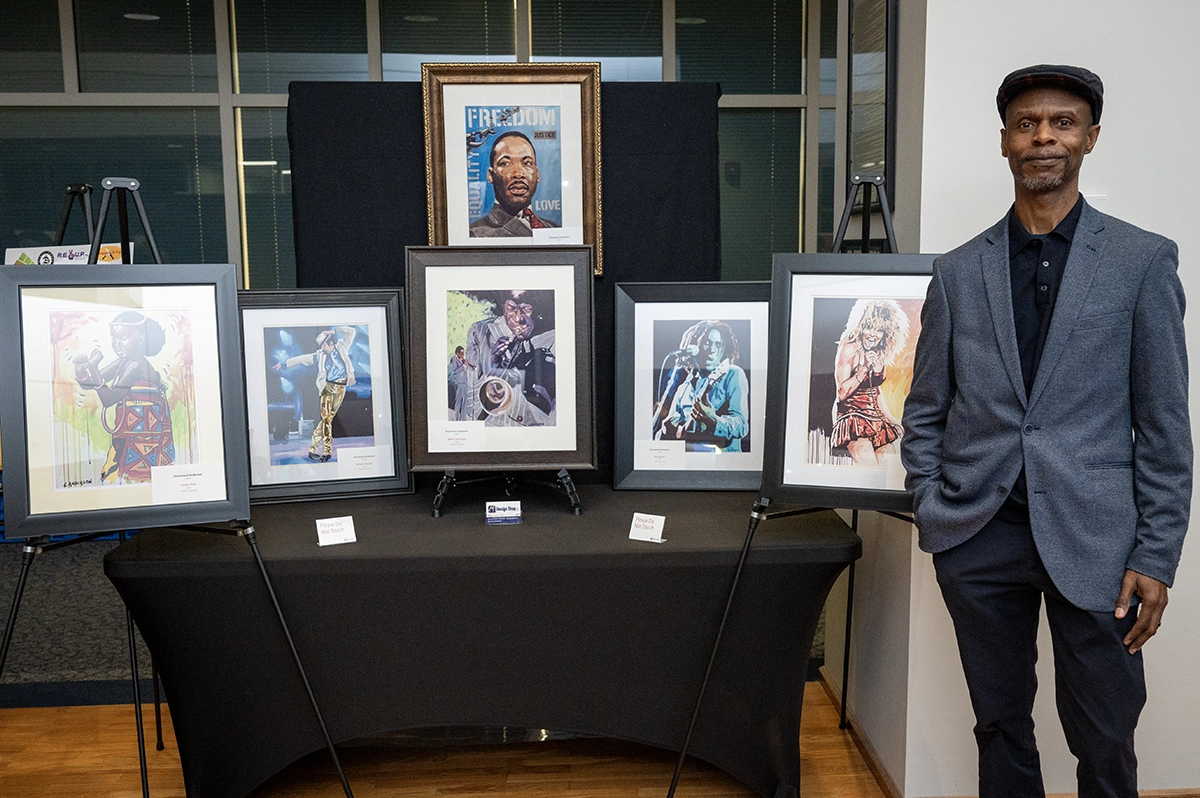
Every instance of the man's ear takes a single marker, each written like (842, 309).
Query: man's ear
(1003, 142)
(1093, 134)
(489, 175)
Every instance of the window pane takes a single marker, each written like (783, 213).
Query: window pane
(826, 153)
(170, 49)
(760, 190)
(749, 48)
(868, 71)
(278, 41)
(174, 152)
(266, 175)
(416, 32)
(625, 36)
(30, 47)
(829, 45)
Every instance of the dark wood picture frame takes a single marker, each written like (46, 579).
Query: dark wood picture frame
(436, 274)
(28, 298)
(505, 88)
(384, 403)
(636, 386)
(795, 396)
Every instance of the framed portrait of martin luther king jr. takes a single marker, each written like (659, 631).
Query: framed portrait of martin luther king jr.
(512, 155)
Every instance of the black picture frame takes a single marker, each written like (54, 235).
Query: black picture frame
(669, 310)
(42, 398)
(517, 433)
(372, 408)
(800, 466)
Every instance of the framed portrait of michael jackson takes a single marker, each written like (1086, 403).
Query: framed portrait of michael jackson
(324, 393)
(844, 329)
(123, 403)
(512, 155)
(500, 354)
(690, 385)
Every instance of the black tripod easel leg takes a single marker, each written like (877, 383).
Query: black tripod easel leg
(28, 552)
(137, 697)
(158, 742)
(248, 534)
(756, 515)
(842, 724)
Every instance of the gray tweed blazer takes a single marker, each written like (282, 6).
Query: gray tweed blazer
(1104, 435)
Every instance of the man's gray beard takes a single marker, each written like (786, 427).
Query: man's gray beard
(1041, 183)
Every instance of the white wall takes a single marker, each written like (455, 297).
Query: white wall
(1139, 171)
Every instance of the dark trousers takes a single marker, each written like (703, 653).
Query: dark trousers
(993, 585)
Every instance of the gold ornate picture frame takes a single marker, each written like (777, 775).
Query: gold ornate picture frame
(512, 155)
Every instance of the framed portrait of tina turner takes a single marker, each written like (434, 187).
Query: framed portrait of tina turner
(500, 358)
(512, 155)
(847, 326)
(123, 407)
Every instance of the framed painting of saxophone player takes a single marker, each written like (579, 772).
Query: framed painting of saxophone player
(500, 358)
(690, 385)
(844, 329)
(512, 155)
(123, 407)
(324, 393)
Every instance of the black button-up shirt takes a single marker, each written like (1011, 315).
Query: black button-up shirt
(1035, 266)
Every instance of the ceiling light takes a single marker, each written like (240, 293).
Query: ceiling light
(260, 163)
(143, 17)
(420, 18)
(690, 20)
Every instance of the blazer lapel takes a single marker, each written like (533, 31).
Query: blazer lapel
(998, 285)
(1077, 279)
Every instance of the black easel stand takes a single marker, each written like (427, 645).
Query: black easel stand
(244, 530)
(123, 186)
(83, 193)
(759, 513)
(562, 481)
(864, 181)
(39, 545)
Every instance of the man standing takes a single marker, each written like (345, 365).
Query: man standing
(1048, 446)
(335, 373)
(514, 176)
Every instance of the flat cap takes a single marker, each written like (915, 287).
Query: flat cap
(1076, 80)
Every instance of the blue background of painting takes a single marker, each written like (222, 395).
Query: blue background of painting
(549, 160)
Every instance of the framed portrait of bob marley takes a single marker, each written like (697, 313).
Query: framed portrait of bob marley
(512, 155)
(847, 326)
(500, 358)
(123, 405)
(691, 385)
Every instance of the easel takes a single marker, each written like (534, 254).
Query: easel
(562, 481)
(83, 193)
(37, 545)
(244, 530)
(760, 512)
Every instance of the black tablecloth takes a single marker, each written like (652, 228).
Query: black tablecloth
(560, 623)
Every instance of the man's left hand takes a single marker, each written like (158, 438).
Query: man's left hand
(1153, 594)
(704, 413)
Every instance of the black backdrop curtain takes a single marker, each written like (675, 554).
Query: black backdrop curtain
(358, 195)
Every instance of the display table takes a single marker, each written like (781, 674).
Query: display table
(559, 623)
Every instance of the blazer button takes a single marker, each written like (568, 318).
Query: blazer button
(1028, 428)
(1002, 490)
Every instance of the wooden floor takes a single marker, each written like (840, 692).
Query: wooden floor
(91, 752)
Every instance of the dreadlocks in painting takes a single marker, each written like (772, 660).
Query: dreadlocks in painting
(876, 331)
